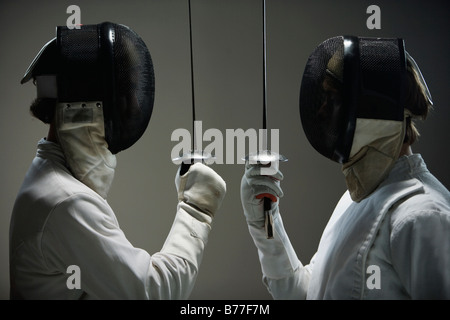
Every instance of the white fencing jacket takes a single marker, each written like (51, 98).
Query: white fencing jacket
(59, 222)
(395, 244)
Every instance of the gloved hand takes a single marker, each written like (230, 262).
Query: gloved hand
(200, 194)
(254, 187)
(202, 188)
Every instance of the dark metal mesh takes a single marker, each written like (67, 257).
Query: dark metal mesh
(347, 78)
(110, 63)
(320, 113)
(134, 88)
(383, 71)
(79, 73)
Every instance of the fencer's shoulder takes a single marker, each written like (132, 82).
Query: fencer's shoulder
(85, 208)
(430, 204)
(341, 207)
(50, 184)
(64, 185)
(72, 194)
(75, 205)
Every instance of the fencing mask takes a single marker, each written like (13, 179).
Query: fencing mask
(352, 106)
(101, 77)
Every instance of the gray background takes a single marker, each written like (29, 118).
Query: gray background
(227, 53)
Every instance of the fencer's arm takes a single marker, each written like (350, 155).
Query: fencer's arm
(83, 231)
(200, 194)
(283, 273)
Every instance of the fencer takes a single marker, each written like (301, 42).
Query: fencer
(95, 88)
(359, 99)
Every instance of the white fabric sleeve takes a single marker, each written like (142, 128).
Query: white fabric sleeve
(283, 274)
(83, 231)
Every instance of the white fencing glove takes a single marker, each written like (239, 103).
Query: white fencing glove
(200, 193)
(201, 188)
(255, 187)
(277, 256)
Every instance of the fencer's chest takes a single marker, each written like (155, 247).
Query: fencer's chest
(339, 267)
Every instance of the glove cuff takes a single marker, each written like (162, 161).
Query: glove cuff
(188, 235)
(277, 256)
